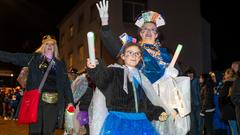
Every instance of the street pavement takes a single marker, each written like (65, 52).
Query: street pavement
(11, 127)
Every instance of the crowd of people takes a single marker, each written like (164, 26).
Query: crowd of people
(143, 93)
(9, 101)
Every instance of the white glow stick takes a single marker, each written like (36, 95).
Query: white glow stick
(175, 56)
(91, 49)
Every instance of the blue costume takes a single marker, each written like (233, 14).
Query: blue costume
(153, 67)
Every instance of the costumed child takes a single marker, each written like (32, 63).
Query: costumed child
(129, 96)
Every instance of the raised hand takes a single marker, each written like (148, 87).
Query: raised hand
(90, 64)
(171, 71)
(102, 7)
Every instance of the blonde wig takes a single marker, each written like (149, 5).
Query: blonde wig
(42, 47)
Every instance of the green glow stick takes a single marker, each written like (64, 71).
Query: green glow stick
(175, 56)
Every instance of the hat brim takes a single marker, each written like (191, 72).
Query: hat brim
(46, 40)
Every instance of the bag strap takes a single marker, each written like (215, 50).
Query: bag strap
(45, 75)
(31, 59)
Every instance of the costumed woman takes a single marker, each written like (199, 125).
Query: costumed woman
(172, 90)
(56, 90)
(129, 95)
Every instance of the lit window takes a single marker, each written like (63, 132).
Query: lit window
(81, 53)
(71, 60)
(71, 29)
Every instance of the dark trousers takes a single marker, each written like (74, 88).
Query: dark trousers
(47, 119)
(195, 120)
(208, 123)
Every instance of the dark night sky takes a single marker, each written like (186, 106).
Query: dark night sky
(224, 19)
(24, 22)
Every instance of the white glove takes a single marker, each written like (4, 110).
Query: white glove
(171, 71)
(102, 7)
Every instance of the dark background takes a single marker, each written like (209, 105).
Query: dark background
(24, 22)
(224, 19)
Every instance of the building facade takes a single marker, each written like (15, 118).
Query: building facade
(184, 25)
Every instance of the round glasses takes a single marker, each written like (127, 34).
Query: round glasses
(131, 53)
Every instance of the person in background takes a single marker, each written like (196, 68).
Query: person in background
(1, 103)
(56, 90)
(235, 97)
(207, 103)
(72, 74)
(235, 66)
(83, 89)
(195, 101)
(226, 106)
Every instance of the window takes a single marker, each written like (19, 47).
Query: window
(80, 22)
(132, 8)
(71, 60)
(71, 30)
(93, 13)
(81, 53)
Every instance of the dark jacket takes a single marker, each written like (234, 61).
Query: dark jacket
(109, 42)
(35, 74)
(206, 97)
(227, 108)
(236, 99)
(110, 82)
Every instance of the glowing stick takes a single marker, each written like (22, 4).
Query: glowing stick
(175, 56)
(91, 50)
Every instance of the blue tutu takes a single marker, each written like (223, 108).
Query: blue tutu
(122, 123)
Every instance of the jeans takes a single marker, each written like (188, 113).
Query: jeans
(233, 126)
(195, 120)
(201, 124)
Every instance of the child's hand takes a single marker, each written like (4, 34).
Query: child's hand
(174, 115)
(90, 64)
(163, 116)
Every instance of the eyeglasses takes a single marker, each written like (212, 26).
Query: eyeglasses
(153, 30)
(131, 53)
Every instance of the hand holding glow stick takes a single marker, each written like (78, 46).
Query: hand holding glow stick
(91, 49)
(175, 56)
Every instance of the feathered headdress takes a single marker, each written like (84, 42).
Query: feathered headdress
(125, 39)
(150, 16)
